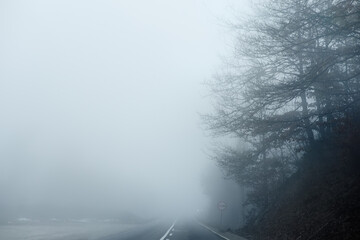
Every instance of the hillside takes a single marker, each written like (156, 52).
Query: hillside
(320, 201)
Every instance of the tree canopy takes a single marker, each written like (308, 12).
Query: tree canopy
(294, 79)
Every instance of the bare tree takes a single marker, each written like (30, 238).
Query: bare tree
(295, 75)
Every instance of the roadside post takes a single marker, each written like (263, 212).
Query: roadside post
(221, 206)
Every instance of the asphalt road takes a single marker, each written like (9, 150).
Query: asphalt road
(161, 230)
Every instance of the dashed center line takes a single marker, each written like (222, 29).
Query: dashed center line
(167, 232)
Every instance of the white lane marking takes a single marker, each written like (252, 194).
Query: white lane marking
(170, 234)
(213, 231)
(163, 237)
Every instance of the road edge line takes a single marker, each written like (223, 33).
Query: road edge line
(218, 234)
(167, 232)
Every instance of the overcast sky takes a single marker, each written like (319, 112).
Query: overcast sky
(99, 100)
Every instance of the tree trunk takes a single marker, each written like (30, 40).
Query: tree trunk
(305, 113)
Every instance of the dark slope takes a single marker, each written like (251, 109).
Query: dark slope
(320, 201)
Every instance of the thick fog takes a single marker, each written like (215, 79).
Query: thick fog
(99, 104)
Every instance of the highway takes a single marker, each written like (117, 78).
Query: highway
(166, 230)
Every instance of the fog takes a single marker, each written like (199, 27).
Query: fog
(100, 104)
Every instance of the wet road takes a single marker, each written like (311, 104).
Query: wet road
(179, 230)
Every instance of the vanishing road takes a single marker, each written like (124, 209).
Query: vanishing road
(179, 230)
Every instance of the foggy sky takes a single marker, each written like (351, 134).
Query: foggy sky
(99, 101)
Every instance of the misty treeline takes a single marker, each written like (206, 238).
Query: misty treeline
(294, 81)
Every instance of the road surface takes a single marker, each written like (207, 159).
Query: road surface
(179, 230)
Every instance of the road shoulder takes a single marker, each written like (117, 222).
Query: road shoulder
(224, 235)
